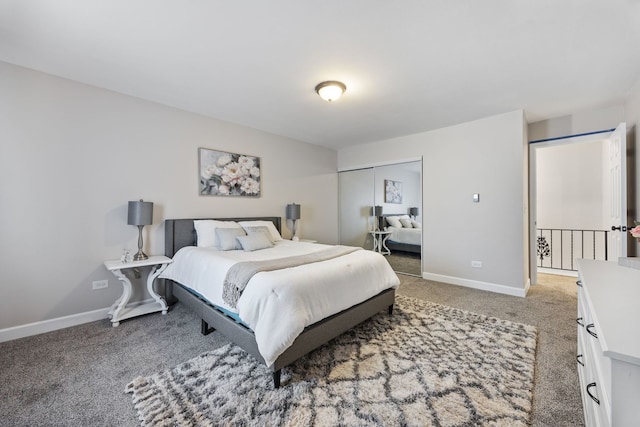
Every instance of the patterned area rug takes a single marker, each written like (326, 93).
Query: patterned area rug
(427, 365)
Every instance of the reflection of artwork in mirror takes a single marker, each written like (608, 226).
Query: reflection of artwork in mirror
(393, 191)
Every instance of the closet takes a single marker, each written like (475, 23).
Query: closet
(362, 189)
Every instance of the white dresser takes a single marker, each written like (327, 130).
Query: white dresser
(609, 343)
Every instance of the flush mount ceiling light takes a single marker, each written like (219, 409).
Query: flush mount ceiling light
(330, 90)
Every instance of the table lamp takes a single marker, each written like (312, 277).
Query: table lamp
(293, 213)
(377, 213)
(140, 214)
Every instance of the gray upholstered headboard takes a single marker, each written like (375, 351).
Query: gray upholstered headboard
(179, 233)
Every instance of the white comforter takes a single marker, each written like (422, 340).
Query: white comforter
(278, 305)
(410, 236)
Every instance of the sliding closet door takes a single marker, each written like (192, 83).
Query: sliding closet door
(356, 190)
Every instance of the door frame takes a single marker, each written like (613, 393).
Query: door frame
(533, 191)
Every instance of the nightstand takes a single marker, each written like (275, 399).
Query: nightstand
(380, 241)
(308, 241)
(119, 310)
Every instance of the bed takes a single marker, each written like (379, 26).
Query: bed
(181, 234)
(402, 238)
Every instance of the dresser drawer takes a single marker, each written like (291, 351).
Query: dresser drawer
(583, 363)
(601, 366)
(592, 390)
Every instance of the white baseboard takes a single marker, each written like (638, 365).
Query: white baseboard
(35, 328)
(557, 272)
(476, 284)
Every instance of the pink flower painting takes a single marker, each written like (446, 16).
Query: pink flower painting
(228, 174)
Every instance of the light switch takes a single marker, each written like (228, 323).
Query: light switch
(476, 198)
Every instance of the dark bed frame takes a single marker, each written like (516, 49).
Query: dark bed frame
(180, 233)
(396, 246)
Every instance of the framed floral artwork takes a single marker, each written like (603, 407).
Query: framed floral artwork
(392, 191)
(228, 174)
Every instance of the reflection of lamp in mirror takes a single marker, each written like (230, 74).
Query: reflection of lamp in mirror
(293, 213)
(377, 213)
(413, 212)
(140, 214)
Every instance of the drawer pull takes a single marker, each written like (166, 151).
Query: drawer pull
(580, 362)
(579, 321)
(579, 283)
(593, 334)
(595, 399)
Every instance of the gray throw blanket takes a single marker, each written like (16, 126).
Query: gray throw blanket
(239, 274)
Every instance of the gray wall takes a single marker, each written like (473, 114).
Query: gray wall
(484, 156)
(71, 157)
(577, 123)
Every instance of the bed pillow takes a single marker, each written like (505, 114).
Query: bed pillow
(406, 223)
(394, 221)
(206, 231)
(275, 235)
(259, 229)
(415, 224)
(227, 238)
(254, 242)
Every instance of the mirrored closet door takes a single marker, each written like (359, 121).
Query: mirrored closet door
(381, 209)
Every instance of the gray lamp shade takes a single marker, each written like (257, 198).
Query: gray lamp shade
(413, 211)
(140, 213)
(293, 211)
(377, 211)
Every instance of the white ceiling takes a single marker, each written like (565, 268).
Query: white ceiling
(409, 66)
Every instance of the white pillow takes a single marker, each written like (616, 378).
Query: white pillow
(206, 231)
(254, 242)
(275, 235)
(394, 221)
(406, 223)
(227, 238)
(415, 224)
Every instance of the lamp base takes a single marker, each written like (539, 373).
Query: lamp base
(140, 256)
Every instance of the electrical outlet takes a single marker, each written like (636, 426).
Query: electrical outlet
(100, 284)
(476, 264)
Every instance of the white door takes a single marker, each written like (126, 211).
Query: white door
(617, 168)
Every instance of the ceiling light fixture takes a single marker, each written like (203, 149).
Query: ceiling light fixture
(330, 90)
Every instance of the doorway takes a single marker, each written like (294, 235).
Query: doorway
(577, 194)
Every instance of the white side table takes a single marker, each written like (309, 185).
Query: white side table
(380, 241)
(119, 310)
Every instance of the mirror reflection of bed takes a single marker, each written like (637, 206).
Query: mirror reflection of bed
(362, 189)
(404, 242)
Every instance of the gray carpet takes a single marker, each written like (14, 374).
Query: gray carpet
(405, 262)
(76, 376)
(425, 365)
